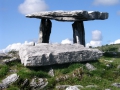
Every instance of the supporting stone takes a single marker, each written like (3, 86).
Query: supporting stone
(48, 30)
(44, 31)
(78, 32)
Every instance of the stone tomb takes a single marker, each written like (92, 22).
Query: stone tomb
(43, 53)
(70, 16)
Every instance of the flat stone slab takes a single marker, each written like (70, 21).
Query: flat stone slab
(77, 15)
(48, 54)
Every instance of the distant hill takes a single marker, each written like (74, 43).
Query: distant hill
(112, 50)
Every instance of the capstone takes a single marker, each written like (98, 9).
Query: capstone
(77, 15)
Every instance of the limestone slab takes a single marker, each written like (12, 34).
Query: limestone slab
(77, 15)
(48, 54)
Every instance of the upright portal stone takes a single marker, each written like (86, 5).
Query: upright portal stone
(44, 31)
(77, 16)
(78, 32)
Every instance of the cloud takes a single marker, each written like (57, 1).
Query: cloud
(94, 43)
(105, 2)
(96, 39)
(67, 41)
(96, 35)
(31, 6)
(15, 46)
(116, 42)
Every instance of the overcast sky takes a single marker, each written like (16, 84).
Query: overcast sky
(16, 29)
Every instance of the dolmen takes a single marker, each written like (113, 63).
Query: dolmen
(43, 53)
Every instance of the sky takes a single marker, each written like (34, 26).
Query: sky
(17, 30)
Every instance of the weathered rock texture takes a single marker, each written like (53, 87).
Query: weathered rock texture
(44, 31)
(7, 81)
(72, 88)
(10, 60)
(39, 83)
(78, 15)
(48, 54)
(78, 32)
(90, 67)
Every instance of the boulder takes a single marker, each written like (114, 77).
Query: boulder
(7, 81)
(48, 54)
(77, 15)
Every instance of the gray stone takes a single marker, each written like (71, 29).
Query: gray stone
(51, 72)
(118, 67)
(107, 89)
(78, 15)
(10, 79)
(12, 70)
(10, 60)
(44, 31)
(91, 86)
(72, 88)
(78, 32)
(90, 67)
(38, 83)
(3, 55)
(116, 85)
(25, 83)
(62, 87)
(48, 54)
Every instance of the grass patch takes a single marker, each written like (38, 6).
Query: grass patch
(104, 76)
(3, 70)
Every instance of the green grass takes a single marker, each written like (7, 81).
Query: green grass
(104, 76)
(3, 71)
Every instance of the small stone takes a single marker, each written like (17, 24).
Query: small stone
(118, 67)
(39, 83)
(33, 83)
(51, 72)
(25, 83)
(116, 85)
(107, 89)
(91, 86)
(61, 87)
(72, 88)
(10, 60)
(90, 67)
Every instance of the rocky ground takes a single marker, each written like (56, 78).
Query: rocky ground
(103, 74)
